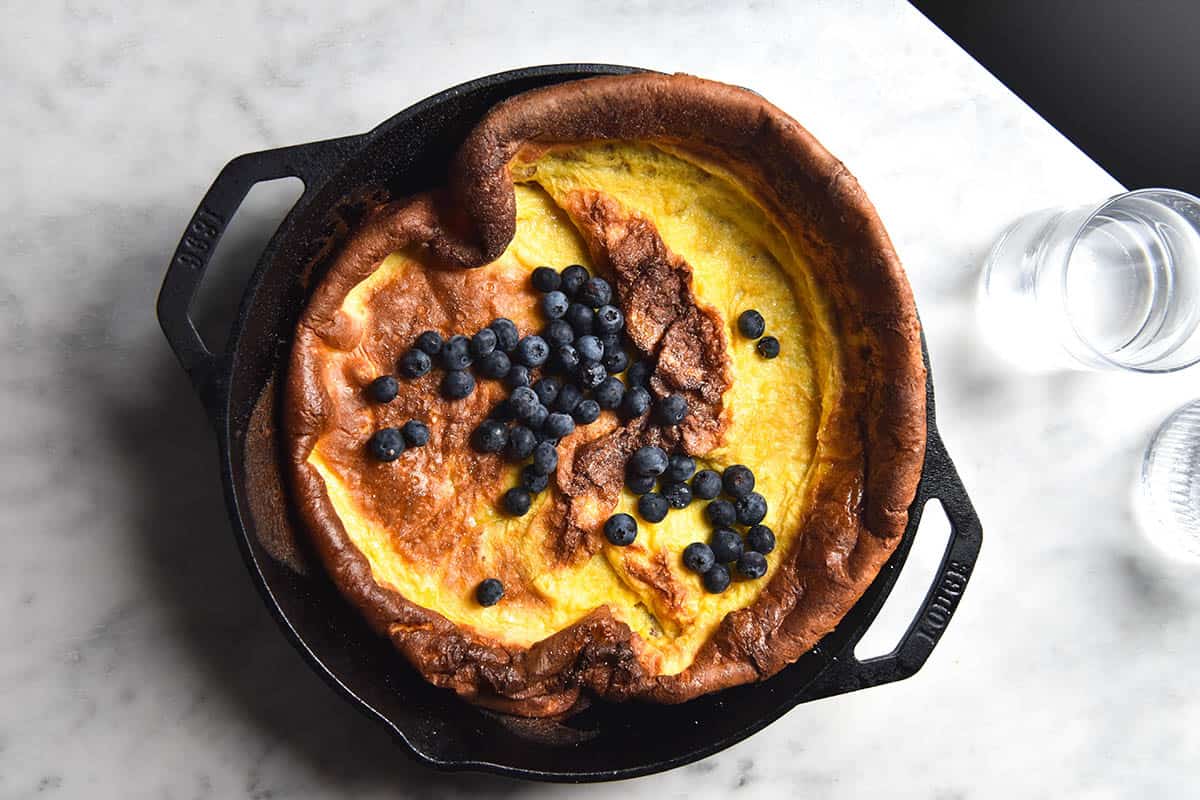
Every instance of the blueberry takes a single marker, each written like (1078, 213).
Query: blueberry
(415, 432)
(430, 343)
(591, 374)
(726, 545)
(554, 304)
(698, 557)
(517, 501)
(542, 436)
(518, 375)
(523, 401)
(760, 539)
(738, 480)
(545, 458)
(458, 384)
(639, 484)
(649, 460)
(538, 418)
(610, 393)
(559, 425)
(483, 342)
(506, 334)
(751, 509)
(751, 324)
(546, 279)
(557, 333)
(716, 580)
(621, 530)
(386, 444)
(456, 353)
(521, 442)
(546, 390)
(566, 359)
(587, 412)
(590, 348)
(490, 437)
(609, 319)
(636, 402)
(721, 513)
(752, 565)
(532, 351)
(706, 485)
(533, 480)
(611, 342)
(653, 507)
(595, 292)
(767, 347)
(568, 399)
(671, 409)
(415, 363)
(615, 361)
(679, 495)
(489, 592)
(573, 278)
(383, 389)
(581, 319)
(679, 468)
(495, 365)
(638, 373)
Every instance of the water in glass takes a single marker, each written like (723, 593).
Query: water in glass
(1113, 286)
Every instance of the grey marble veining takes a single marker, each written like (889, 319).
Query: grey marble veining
(137, 658)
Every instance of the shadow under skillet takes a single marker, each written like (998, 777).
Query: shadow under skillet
(194, 571)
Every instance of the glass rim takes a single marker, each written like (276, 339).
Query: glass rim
(1079, 229)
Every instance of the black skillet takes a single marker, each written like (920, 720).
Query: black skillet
(405, 154)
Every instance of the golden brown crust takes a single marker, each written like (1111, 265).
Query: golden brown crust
(874, 440)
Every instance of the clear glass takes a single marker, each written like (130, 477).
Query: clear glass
(1170, 485)
(1108, 286)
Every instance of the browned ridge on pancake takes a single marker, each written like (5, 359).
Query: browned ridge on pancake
(875, 436)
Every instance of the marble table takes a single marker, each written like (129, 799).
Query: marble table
(137, 659)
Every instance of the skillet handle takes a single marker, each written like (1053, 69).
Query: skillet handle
(308, 162)
(845, 672)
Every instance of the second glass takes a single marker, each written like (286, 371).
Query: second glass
(1169, 505)
(1108, 286)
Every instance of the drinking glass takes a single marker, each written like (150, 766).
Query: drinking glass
(1114, 285)
(1170, 485)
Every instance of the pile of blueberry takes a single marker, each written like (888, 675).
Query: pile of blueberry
(648, 468)
(558, 378)
(752, 325)
(490, 351)
(741, 506)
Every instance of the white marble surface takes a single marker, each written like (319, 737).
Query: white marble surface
(137, 659)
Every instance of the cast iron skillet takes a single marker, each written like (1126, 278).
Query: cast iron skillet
(405, 154)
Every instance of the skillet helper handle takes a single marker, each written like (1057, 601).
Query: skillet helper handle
(847, 673)
(207, 370)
